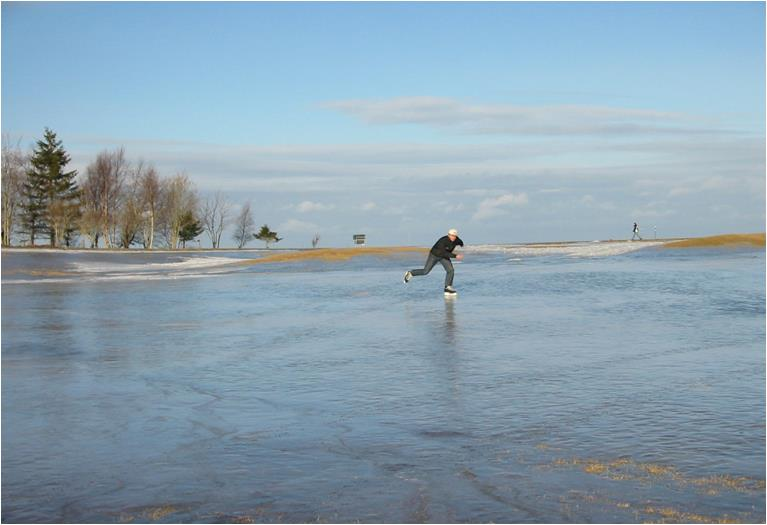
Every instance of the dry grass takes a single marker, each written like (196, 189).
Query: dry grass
(615, 469)
(623, 469)
(147, 514)
(38, 273)
(645, 513)
(333, 254)
(158, 513)
(737, 483)
(670, 515)
(735, 239)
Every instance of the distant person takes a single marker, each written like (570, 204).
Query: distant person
(636, 233)
(441, 252)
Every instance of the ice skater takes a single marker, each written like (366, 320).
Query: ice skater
(636, 233)
(441, 252)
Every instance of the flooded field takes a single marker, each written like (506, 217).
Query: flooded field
(587, 382)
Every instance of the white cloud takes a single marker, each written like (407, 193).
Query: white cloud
(499, 205)
(309, 206)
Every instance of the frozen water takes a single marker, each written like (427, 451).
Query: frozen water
(571, 249)
(591, 385)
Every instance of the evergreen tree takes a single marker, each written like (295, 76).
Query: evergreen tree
(50, 192)
(267, 235)
(190, 228)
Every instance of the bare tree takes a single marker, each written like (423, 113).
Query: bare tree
(150, 197)
(63, 217)
(90, 215)
(13, 175)
(179, 197)
(315, 240)
(244, 226)
(89, 223)
(104, 180)
(130, 215)
(214, 217)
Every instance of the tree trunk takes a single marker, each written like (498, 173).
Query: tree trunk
(151, 230)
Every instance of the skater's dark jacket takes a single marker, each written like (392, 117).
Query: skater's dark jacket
(443, 248)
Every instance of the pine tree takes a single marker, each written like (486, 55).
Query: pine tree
(50, 192)
(190, 227)
(267, 235)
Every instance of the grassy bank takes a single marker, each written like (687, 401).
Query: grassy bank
(333, 254)
(733, 239)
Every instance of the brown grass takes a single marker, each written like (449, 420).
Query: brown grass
(672, 515)
(158, 513)
(333, 254)
(38, 273)
(653, 514)
(725, 481)
(623, 469)
(734, 239)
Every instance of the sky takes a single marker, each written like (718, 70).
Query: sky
(510, 121)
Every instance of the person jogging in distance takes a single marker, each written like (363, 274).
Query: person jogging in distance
(441, 252)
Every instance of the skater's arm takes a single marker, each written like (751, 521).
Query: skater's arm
(457, 256)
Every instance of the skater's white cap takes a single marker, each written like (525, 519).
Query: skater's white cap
(453, 231)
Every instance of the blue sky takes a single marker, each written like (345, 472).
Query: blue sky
(509, 121)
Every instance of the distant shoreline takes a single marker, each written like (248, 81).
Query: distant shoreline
(734, 239)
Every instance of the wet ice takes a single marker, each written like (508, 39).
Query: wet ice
(605, 386)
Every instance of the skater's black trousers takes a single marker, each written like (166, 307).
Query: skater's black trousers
(430, 262)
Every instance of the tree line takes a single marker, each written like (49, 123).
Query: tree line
(114, 204)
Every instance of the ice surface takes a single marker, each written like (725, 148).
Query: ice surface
(620, 388)
(575, 249)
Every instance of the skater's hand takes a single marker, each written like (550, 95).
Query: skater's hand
(458, 256)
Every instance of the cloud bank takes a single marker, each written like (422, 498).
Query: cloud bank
(508, 119)
(586, 169)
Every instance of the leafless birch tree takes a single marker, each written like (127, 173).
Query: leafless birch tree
(63, 218)
(13, 175)
(244, 227)
(214, 217)
(104, 179)
(150, 197)
(179, 197)
(130, 215)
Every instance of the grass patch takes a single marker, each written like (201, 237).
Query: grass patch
(38, 273)
(158, 513)
(671, 515)
(734, 239)
(333, 254)
(624, 469)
